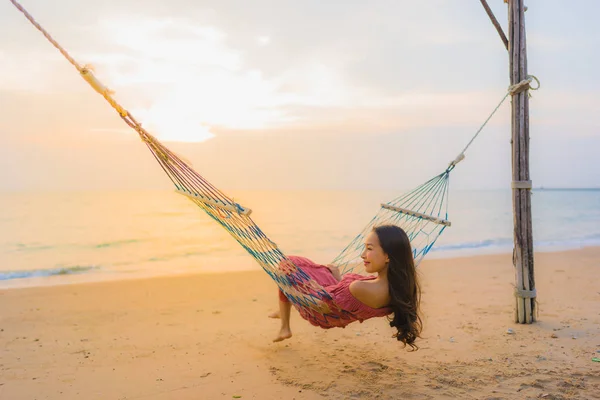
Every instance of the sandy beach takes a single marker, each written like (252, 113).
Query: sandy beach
(208, 337)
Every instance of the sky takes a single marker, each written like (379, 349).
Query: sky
(280, 94)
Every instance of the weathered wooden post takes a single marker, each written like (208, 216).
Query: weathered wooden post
(523, 236)
(525, 292)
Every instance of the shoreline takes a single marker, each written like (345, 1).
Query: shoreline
(98, 277)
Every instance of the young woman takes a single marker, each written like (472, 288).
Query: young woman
(394, 289)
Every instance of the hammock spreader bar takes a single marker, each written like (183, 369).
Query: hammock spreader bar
(416, 214)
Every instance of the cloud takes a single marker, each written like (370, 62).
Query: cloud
(263, 40)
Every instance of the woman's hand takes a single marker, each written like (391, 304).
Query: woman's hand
(335, 271)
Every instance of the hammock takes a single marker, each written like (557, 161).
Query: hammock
(422, 212)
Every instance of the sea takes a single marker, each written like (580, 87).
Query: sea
(73, 237)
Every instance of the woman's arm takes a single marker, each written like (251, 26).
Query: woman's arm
(368, 294)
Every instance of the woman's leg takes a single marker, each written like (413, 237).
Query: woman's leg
(277, 314)
(285, 308)
(285, 332)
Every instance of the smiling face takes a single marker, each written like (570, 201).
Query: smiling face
(375, 259)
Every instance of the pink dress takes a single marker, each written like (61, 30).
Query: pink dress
(345, 307)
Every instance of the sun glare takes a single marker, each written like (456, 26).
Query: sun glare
(168, 126)
(182, 94)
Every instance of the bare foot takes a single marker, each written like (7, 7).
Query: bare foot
(275, 315)
(284, 333)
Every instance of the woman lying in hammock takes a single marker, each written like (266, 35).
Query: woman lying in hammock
(395, 289)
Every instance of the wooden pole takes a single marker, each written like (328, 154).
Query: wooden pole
(523, 236)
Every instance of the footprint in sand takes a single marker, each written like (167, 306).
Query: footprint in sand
(374, 366)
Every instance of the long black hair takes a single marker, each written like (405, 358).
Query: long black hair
(404, 287)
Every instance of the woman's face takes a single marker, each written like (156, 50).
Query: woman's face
(374, 257)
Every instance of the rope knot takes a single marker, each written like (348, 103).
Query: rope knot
(525, 294)
(524, 85)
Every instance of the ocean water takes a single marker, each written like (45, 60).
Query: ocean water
(57, 238)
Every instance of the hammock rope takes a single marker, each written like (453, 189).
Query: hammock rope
(422, 212)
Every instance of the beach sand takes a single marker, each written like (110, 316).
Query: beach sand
(208, 337)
